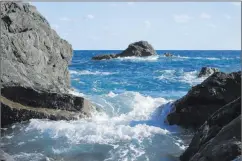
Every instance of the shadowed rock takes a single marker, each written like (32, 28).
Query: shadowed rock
(207, 71)
(21, 104)
(221, 133)
(138, 49)
(204, 99)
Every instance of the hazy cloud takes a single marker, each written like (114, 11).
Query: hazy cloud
(227, 16)
(211, 25)
(65, 19)
(236, 3)
(147, 24)
(205, 16)
(182, 18)
(130, 3)
(90, 17)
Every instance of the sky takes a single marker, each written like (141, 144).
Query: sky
(165, 25)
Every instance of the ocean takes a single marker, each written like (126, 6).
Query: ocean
(133, 97)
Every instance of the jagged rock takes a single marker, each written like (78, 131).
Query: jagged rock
(221, 133)
(21, 104)
(204, 99)
(32, 55)
(104, 57)
(138, 49)
(168, 55)
(34, 68)
(207, 71)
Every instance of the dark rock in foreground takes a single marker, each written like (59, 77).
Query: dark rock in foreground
(219, 138)
(138, 49)
(32, 54)
(204, 99)
(207, 71)
(21, 104)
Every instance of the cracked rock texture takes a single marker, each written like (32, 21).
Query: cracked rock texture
(32, 55)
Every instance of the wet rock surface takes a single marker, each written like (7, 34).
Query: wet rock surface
(207, 71)
(219, 138)
(204, 99)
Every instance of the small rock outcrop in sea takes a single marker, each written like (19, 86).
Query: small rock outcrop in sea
(207, 71)
(219, 138)
(168, 55)
(34, 59)
(138, 49)
(204, 99)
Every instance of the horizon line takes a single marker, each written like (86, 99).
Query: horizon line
(164, 49)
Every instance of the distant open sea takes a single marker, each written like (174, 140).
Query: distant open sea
(129, 126)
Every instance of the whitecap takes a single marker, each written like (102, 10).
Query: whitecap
(105, 129)
(111, 94)
(88, 72)
(28, 156)
(190, 77)
(137, 59)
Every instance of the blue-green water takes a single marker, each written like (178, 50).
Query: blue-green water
(133, 95)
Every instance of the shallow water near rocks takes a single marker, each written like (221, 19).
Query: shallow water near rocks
(134, 96)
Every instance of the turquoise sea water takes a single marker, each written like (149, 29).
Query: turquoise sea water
(133, 96)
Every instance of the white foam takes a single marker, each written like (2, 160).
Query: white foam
(21, 143)
(87, 72)
(105, 129)
(135, 58)
(190, 78)
(75, 92)
(28, 156)
(207, 58)
(111, 94)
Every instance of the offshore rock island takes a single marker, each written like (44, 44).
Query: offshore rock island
(136, 49)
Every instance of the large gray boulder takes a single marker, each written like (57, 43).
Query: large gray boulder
(207, 71)
(204, 99)
(32, 55)
(219, 138)
(138, 49)
(34, 65)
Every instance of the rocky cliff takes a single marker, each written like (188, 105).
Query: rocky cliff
(34, 62)
(33, 55)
